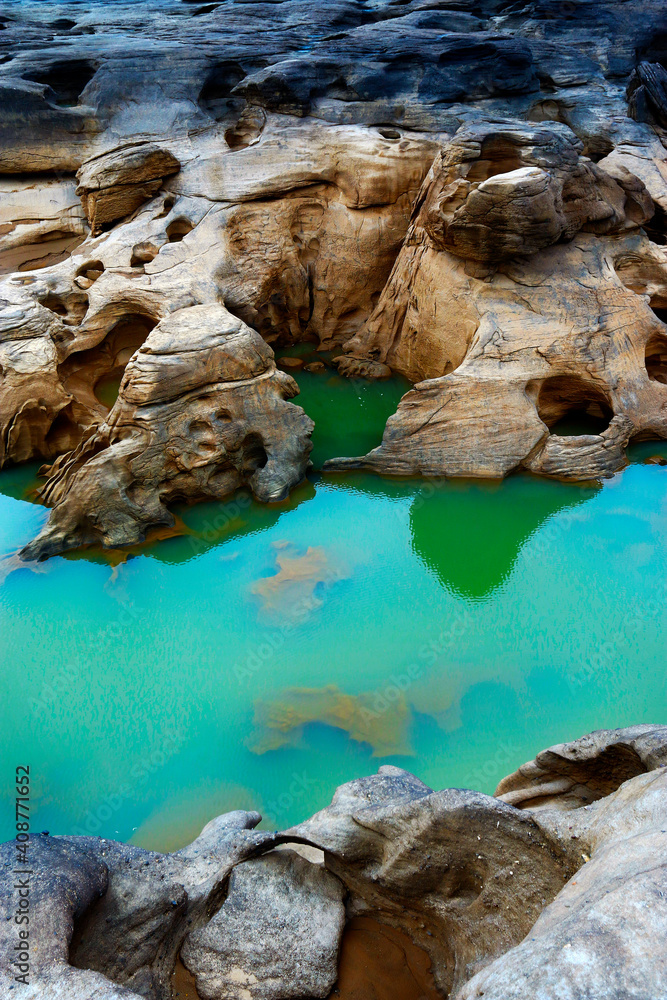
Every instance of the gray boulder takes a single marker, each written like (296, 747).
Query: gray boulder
(277, 935)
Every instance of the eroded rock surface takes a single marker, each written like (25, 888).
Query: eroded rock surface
(277, 171)
(275, 937)
(604, 935)
(559, 896)
(202, 410)
(520, 297)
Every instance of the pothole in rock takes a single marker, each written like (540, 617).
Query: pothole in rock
(656, 228)
(88, 273)
(64, 433)
(247, 130)
(656, 353)
(497, 156)
(94, 376)
(167, 206)
(143, 253)
(389, 133)
(179, 229)
(67, 79)
(382, 962)
(571, 406)
(71, 308)
(215, 96)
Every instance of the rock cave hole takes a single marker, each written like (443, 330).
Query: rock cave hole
(389, 133)
(62, 24)
(67, 79)
(71, 308)
(247, 129)
(656, 228)
(94, 376)
(655, 50)
(167, 206)
(571, 406)
(254, 454)
(89, 273)
(64, 433)
(179, 229)
(656, 353)
(215, 97)
(143, 253)
(122, 341)
(497, 156)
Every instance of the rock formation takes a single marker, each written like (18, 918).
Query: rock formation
(520, 296)
(555, 888)
(156, 159)
(202, 409)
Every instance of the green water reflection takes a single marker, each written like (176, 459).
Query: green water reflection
(487, 620)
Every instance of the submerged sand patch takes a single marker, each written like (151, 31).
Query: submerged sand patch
(297, 589)
(280, 722)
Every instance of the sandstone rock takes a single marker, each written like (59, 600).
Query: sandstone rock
(202, 410)
(461, 873)
(499, 192)
(604, 935)
(290, 363)
(64, 880)
(294, 219)
(275, 937)
(113, 185)
(133, 934)
(469, 888)
(570, 775)
(315, 368)
(107, 919)
(362, 368)
(647, 93)
(497, 318)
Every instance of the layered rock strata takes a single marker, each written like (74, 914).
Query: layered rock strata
(554, 888)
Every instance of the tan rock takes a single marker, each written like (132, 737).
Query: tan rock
(202, 410)
(509, 345)
(114, 184)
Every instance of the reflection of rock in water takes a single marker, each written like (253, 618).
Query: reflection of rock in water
(469, 535)
(378, 962)
(368, 718)
(296, 589)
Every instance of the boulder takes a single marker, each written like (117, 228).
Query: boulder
(276, 936)
(605, 934)
(574, 774)
(489, 312)
(460, 872)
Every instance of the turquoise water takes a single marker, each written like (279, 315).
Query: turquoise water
(455, 627)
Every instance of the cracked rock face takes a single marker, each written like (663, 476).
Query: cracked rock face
(553, 889)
